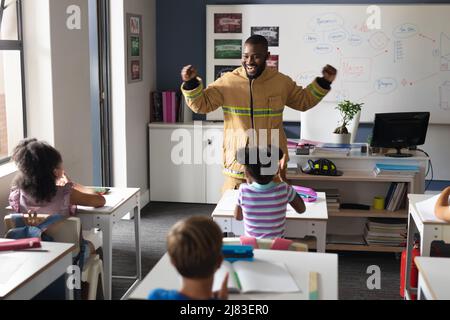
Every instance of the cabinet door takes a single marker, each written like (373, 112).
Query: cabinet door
(173, 180)
(214, 164)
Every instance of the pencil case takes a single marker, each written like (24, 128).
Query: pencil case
(307, 194)
(237, 253)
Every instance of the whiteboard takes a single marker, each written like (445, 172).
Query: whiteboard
(402, 67)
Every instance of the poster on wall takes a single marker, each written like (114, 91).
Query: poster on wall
(272, 34)
(219, 71)
(135, 47)
(274, 62)
(136, 70)
(227, 49)
(228, 23)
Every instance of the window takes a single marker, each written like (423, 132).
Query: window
(12, 101)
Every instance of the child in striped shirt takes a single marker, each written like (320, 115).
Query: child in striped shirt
(262, 203)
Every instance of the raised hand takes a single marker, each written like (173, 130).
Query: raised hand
(188, 73)
(329, 73)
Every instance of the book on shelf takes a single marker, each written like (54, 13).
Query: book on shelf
(255, 276)
(397, 170)
(327, 152)
(388, 223)
(169, 107)
(396, 196)
(333, 199)
(156, 111)
(346, 239)
(385, 232)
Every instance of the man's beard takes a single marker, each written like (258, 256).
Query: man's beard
(259, 70)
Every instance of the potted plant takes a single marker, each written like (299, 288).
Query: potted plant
(349, 111)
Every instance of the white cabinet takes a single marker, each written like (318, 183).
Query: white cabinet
(186, 162)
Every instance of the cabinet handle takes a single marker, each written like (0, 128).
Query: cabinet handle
(209, 142)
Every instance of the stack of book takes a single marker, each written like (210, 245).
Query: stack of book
(333, 200)
(397, 170)
(386, 232)
(396, 196)
(169, 107)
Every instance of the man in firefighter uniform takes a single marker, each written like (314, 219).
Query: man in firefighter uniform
(253, 98)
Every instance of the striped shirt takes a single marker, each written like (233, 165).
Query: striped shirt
(264, 208)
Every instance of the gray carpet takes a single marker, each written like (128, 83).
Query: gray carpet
(158, 218)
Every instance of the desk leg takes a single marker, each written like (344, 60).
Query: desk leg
(412, 229)
(425, 241)
(321, 236)
(137, 234)
(68, 262)
(419, 289)
(106, 226)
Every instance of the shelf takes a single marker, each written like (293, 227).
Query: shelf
(311, 242)
(363, 248)
(349, 176)
(402, 214)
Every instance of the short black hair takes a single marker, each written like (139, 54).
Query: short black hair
(257, 39)
(251, 158)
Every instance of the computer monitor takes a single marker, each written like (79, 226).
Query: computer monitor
(400, 130)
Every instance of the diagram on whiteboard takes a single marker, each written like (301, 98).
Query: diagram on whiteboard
(380, 65)
(402, 67)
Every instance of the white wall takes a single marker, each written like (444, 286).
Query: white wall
(131, 107)
(57, 70)
(438, 147)
(71, 90)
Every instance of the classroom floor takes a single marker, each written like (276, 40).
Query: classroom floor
(158, 218)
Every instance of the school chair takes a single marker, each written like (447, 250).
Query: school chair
(267, 244)
(68, 231)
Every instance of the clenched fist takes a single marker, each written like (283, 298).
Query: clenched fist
(188, 73)
(329, 73)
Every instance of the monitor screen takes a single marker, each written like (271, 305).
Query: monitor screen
(400, 130)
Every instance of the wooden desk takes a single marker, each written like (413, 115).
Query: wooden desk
(434, 281)
(312, 223)
(34, 271)
(119, 203)
(430, 229)
(299, 264)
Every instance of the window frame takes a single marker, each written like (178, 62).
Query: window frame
(16, 45)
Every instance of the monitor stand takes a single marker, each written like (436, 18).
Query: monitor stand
(399, 154)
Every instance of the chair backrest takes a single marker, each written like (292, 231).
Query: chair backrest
(319, 123)
(266, 244)
(67, 231)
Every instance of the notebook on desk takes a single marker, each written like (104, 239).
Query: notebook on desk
(256, 277)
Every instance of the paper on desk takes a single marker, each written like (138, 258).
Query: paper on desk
(228, 201)
(8, 266)
(112, 200)
(427, 207)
